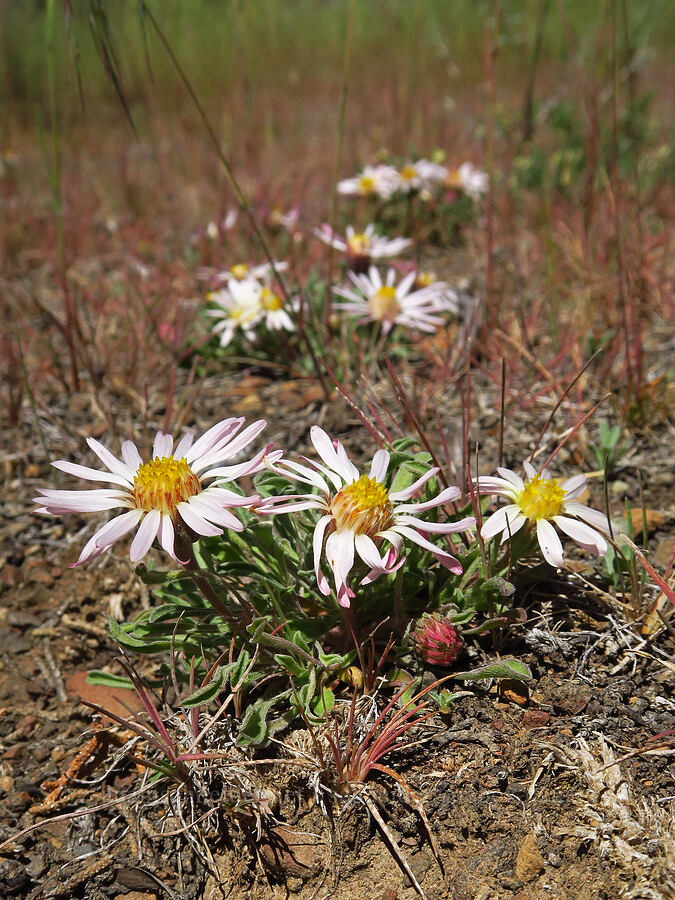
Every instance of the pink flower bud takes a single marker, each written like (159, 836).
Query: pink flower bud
(436, 640)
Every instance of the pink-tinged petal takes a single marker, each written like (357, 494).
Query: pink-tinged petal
(317, 546)
(297, 472)
(379, 465)
(116, 528)
(183, 445)
(196, 522)
(114, 464)
(487, 484)
(574, 486)
(582, 534)
(549, 543)
(89, 551)
(530, 470)
(394, 539)
(340, 554)
(329, 474)
(227, 448)
(408, 492)
(497, 521)
(405, 284)
(162, 446)
(446, 496)
(131, 456)
(442, 556)
(592, 516)
(166, 535)
(269, 505)
(339, 463)
(389, 565)
(146, 534)
(58, 503)
(512, 477)
(210, 438)
(224, 497)
(91, 474)
(436, 527)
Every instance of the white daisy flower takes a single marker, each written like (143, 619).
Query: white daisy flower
(362, 246)
(374, 181)
(540, 501)
(273, 312)
(243, 272)
(164, 494)
(359, 513)
(422, 174)
(237, 306)
(447, 298)
(469, 179)
(391, 304)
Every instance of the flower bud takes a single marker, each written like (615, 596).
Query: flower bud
(436, 640)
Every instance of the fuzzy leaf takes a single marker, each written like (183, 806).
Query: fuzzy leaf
(505, 668)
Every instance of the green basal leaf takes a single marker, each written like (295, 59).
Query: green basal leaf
(209, 691)
(505, 668)
(129, 642)
(290, 664)
(254, 727)
(107, 679)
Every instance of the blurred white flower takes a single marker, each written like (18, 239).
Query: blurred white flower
(374, 181)
(362, 246)
(392, 304)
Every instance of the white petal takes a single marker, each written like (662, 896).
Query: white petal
(378, 467)
(166, 536)
(529, 469)
(196, 522)
(367, 550)
(497, 521)
(183, 445)
(114, 464)
(214, 512)
(216, 433)
(131, 456)
(512, 526)
(91, 474)
(317, 546)
(593, 516)
(408, 492)
(574, 486)
(549, 543)
(445, 496)
(512, 477)
(442, 556)
(116, 528)
(146, 534)
(436, 527)
(162, 446)
(582, 534)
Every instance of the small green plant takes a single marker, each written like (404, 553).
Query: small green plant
(609, 448)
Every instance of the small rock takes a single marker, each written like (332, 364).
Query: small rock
(514, 691)
(529, 862)
(535, 718)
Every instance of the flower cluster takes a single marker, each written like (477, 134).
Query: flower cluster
(423, 176)
(246, 301)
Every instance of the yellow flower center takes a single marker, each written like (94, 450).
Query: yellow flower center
(454, 179)
(269, 300)
(358, 245)
(383, 304)
(424, 279)
(366, 184)
(408, 172)
(541, 498)
(240, 271)
(362, 507)
(164, 483)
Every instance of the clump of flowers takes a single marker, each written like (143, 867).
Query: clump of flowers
(247, 300)
(164, 494)
(540, 502)
(436, 640)
(389, 303)
(359, 514)
(360, 247)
